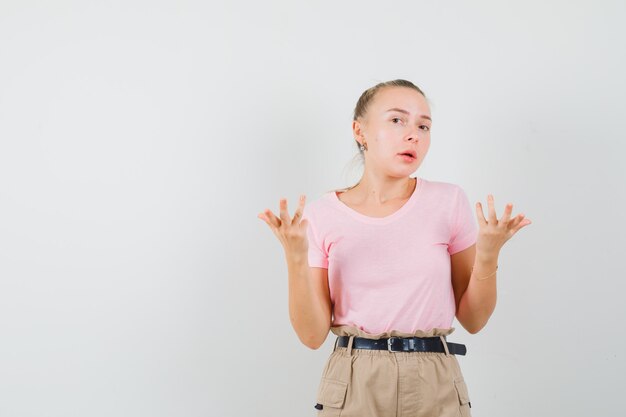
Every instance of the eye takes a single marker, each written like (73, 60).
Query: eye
(395, 118)
(424, 126)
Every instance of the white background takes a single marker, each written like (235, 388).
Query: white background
(139, 141)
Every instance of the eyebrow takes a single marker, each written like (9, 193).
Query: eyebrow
(406, 112)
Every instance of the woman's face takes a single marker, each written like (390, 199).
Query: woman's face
(398, 119)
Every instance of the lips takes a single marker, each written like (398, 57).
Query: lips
(409, 152)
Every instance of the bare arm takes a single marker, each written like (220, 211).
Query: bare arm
(309, 298)
(309, 301)
(475, 291)
(475, 299)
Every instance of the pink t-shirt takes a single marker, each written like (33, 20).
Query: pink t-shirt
(393, 272)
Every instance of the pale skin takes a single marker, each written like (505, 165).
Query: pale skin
(383, 189)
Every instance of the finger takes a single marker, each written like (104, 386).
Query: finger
(284, 214)
(300, 209)
(522, 222)
(516, 220)
(492, 210)
(274, 221)
(508, 209)
(267, 221)
(479, 213)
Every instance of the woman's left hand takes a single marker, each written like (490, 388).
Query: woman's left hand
(493, 233)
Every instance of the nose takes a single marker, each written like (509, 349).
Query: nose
(414, 134)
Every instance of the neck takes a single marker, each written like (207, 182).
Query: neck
(378, 191)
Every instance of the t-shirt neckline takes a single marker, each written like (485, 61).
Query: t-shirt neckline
(378, 220)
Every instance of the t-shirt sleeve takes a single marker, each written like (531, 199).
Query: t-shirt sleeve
(464, 227)
(317, 255)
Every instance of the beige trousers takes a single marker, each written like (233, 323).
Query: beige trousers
(379, 383)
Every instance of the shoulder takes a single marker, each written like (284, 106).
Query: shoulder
(442, 189)
(316, 203)
(441, 185)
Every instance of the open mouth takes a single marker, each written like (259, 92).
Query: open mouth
(407, 155)
(408, 152)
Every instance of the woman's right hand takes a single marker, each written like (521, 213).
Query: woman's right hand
(291, 232)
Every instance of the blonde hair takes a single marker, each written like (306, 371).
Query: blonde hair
(362, 105)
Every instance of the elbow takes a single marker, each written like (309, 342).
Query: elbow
(474, 328)
(474, 322)
(313, 346)
(471, 326)
(314, 341)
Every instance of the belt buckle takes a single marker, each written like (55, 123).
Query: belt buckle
(389, 344)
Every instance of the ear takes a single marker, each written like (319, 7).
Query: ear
(356, 129)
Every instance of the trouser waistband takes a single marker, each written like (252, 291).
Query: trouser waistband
(404, 344)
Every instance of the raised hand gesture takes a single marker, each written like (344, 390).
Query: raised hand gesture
(494, 233)
(291, 232)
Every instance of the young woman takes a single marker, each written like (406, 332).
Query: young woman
(386, 265)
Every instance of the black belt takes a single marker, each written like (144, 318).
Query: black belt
(403, 344)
